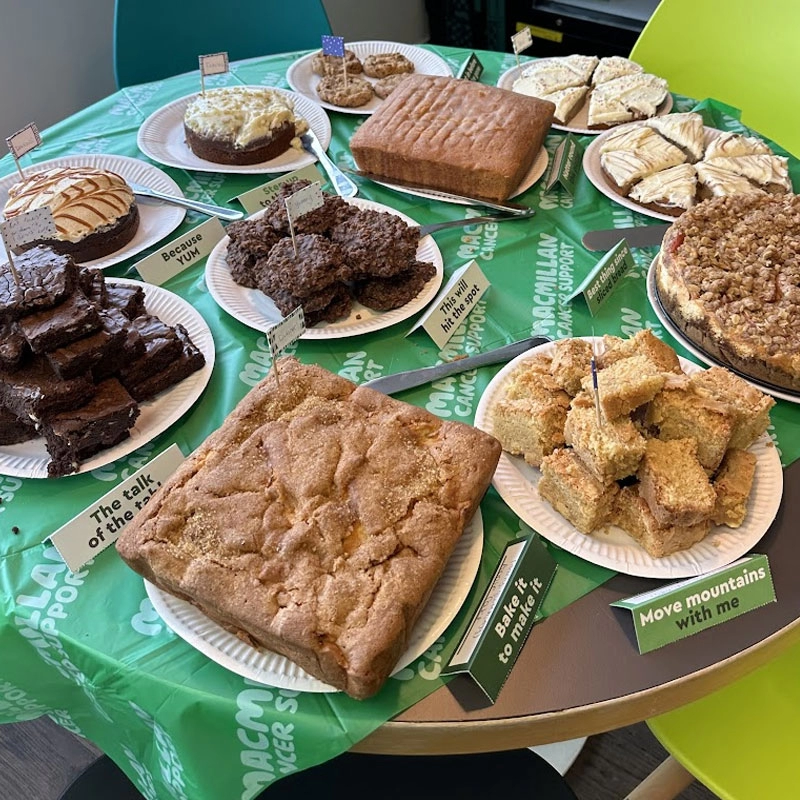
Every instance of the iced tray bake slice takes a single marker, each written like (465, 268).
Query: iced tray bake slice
(316, 521)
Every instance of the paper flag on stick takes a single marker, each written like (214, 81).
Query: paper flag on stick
(333, 46)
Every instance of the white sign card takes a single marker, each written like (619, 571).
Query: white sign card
(214, 64)
(100, 525)
(521, 40)
(181, 253)
(453, 303)
(304, 200)
(259, 198)
(286, 332)
(24, 140)
(27, 227)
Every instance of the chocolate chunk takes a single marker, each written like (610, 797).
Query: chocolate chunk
(317, 264)
(13, 429)
(384, 294)
(128, 299)
(13, 346)
(162, 344)
(58, 326)
(45, 280)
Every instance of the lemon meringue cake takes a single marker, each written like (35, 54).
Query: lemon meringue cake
(94, 210)
(242, 125)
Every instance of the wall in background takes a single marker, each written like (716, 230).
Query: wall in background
(56, 57)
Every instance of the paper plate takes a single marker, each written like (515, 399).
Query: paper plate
(516, 483)
(156, 219)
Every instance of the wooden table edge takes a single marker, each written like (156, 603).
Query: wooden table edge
(396, 737)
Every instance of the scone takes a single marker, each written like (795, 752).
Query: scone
(380, 65)
(242, 125)
(348, 93)
(94, 210)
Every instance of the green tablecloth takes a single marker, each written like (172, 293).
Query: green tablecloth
(89, 650)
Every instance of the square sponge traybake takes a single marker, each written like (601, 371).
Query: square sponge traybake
(316, 521)
(454, 135)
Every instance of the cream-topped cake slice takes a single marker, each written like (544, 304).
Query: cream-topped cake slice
(629, 137)
(567, 102)
(718, 182)
(605, 110)
(684, 130)
(765, 170)
(612, 67)
(584, 66)
(626, 167)
(642, 93)
(545, 77)
(675, 187)
(736, 144)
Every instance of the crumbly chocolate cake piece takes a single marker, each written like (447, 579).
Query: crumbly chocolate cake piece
(162, 345)
(250, 241)
(384, 294)
(127, 298)
(14, 430)
(317, 264)
(129, 344)
(73, 436)
(190, 360)
(13, 345)
(286, 302)
(321, 220)
(93, 285)
(58, 326)
(376, 244)
(338, 307)
(46, 279)
(34, 391)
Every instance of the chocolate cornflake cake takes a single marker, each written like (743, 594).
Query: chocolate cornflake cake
(343, 253)
(67, 344)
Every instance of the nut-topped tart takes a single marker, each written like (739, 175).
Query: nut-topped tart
(728, 275)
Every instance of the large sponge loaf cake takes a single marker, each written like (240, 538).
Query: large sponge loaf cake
(316, 521)
(454, 135)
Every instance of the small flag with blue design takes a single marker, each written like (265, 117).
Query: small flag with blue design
(333, 46)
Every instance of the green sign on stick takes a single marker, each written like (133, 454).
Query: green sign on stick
(508, 609)
(682, 609)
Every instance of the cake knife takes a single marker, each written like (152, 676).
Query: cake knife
(432, 227)
(389, 384)
(637, 236)
(229, 214)
(343, 185)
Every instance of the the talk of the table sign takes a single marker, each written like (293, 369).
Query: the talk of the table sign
(565, 168)
(607, 273)
(99, 526)
(453, 303)
(181, 253)
(507, 611)
(259, 198)
(682, 609)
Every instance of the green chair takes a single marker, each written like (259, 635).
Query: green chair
(741, 741)
(155, 39)
(743, 53)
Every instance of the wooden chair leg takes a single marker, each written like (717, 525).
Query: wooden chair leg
(665, 782)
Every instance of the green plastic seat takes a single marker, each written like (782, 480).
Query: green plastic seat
(743, 53)
(155, 39)
(742, 741)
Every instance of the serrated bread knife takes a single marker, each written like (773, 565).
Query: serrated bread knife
(389, 384)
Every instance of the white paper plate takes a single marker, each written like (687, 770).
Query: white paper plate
(30, 459)
(264, 666)
(579, 123)
(255, 309)
(594, 172)
(516, 483)
(161, 137)
(303, 80)
(677, 333)
(156, 219)
(538, 168)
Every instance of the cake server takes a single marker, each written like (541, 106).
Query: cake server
(389, 384)
(228, 214)
(637, 236)
(398, 186)
(343, 185)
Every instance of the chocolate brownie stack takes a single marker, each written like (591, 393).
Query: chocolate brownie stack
(343, 253)
(77, 355)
